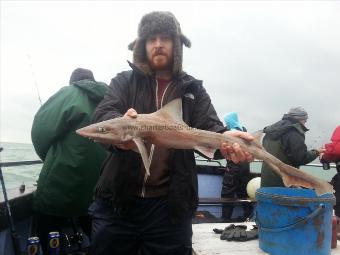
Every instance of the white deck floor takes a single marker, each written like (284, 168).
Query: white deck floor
(206, 242)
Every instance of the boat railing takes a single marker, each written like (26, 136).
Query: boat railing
(221, 163)
(197, 158)
(19, 190)
(20, 163)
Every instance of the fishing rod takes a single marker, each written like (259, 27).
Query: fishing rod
(14, 235)
(34, 78)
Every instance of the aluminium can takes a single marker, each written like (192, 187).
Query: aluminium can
(33, 246)
(54, 243)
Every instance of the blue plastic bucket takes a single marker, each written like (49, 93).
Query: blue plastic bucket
(294, 221)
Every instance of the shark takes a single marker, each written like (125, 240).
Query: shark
(166, 128)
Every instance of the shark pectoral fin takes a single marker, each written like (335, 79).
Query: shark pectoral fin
(144, 153)
(207, 151)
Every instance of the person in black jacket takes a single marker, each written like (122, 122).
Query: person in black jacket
(235, 178)
(138, 214)
(285, 140)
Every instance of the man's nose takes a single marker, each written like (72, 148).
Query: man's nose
(158, 42)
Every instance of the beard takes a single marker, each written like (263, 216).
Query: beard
(160, 61)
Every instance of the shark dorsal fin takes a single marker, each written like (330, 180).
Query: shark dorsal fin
(258, 135)
(172, 110)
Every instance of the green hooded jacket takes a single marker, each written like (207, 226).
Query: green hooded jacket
(71, 162)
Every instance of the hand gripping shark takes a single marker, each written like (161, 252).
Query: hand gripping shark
(166, 128)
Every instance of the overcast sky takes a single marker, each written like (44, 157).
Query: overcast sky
(258, 58)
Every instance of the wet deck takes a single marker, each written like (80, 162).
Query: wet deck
(206, 242)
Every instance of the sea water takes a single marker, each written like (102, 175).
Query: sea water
(14, 176)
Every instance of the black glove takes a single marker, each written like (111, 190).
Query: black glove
(218, 230)
(240, 234)
(237, 233)
(232, 231)
(247, 235)
(225, 231)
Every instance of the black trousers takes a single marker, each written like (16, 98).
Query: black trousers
(234, 185)
(336, 185)
(146, 229)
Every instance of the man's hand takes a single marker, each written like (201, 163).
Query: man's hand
(321, 150)
(234, 151)
(130, 145)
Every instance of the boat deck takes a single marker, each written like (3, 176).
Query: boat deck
(206, 242)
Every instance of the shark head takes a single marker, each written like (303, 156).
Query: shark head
(110, 131)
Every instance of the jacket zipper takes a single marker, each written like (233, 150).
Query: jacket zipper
(163, 94)
(152, 145)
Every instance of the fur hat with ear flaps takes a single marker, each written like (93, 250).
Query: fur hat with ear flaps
(159, 23)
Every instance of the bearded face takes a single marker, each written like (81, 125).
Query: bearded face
(159, 51)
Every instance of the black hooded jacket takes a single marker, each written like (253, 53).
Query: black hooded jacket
(285, 140)
(122, 170)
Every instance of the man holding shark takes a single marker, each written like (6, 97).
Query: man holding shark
(145, 201)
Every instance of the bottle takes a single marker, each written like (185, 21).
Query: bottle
(334, 232)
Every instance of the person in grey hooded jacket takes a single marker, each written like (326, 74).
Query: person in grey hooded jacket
(285, 140)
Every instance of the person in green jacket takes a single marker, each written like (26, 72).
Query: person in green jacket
(71, 162)
(285, 140)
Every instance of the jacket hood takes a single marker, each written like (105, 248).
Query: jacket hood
(159, 23)
(232, 121)
(94, 90)
(336, 135)
(81, 74)
(279, 128)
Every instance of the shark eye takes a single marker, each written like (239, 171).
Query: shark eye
(102, 130)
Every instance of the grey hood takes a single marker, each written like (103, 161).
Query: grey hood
(276, 130)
